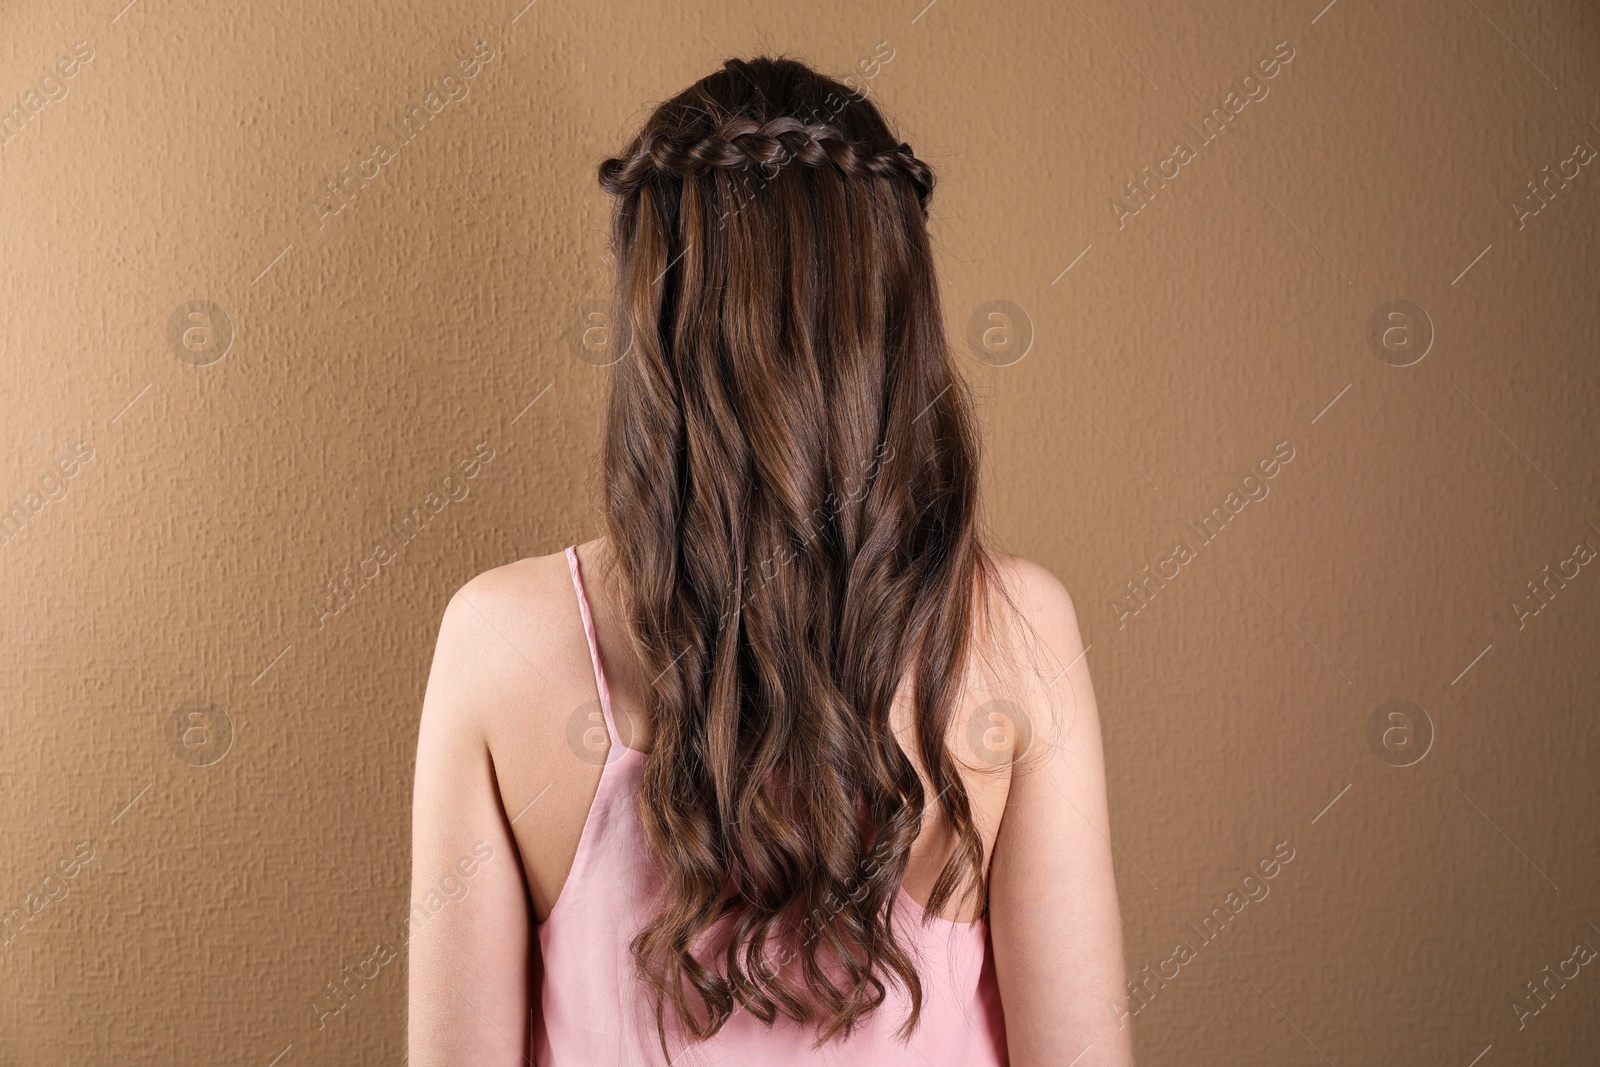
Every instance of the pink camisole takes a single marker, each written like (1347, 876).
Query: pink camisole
(593, 1011)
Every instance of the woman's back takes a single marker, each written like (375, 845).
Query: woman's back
(522, 762)
(591, 1009)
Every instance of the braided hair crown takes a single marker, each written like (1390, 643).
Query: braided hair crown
(807, 121)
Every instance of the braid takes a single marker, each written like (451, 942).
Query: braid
(743, 143)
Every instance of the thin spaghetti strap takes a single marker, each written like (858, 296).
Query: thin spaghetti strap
(594, 647)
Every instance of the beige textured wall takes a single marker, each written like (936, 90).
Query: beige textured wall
(182, 881)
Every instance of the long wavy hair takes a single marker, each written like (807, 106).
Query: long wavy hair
(790, 479)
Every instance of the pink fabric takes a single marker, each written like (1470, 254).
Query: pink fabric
(592, 1011)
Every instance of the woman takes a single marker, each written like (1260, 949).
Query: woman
(788, 766)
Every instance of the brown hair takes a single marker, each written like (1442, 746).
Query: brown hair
(790, 480)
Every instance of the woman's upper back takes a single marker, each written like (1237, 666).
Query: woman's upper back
(592, 1010)
(562, 746)
(552, 736)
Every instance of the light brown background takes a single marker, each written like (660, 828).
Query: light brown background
(371, 353)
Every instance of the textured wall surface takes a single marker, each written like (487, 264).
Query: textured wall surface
(255, 319)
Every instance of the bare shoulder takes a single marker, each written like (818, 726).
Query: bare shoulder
(1033, 582)
(1041, 618)
(505, 642)
(1032, 656)
(516, 594)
